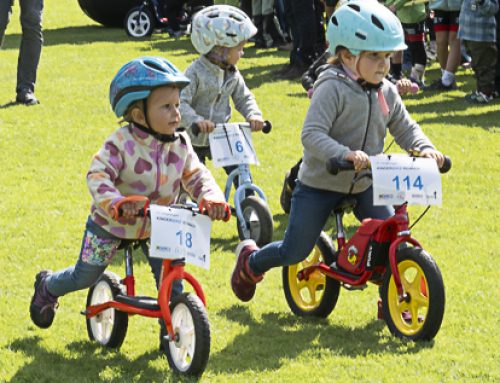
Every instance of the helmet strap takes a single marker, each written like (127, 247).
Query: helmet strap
(149, 129)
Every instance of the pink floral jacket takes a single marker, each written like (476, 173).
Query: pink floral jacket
(132, 162)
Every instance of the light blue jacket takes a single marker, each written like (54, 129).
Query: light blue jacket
(208, 97)
(445, 5)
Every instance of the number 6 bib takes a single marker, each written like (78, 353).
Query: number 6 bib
(180, 233)
(231, 144)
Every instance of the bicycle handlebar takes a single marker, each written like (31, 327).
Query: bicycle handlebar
(335, 166)
(266, 129)
(144, 212)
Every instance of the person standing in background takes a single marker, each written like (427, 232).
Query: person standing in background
(31, 45)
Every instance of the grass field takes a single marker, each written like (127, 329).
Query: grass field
(45, 152)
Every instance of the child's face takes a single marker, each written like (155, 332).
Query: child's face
(163, 109)
(371, 66)
(235, 53)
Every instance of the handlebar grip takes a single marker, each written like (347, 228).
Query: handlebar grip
(446, 165)
(195, 129)
(334, 166)
(267, 127)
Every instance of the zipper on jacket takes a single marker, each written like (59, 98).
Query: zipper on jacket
(159, 149)
(369, 94)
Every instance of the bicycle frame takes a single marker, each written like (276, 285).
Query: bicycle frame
(171, 270)
(394, 230)
(244, 183)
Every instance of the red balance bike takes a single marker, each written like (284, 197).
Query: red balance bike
(112, 300)
(380, 251)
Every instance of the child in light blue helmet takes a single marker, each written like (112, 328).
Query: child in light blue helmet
(144, 157)
(352, 107)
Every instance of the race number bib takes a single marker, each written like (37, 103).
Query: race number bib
(399, 178)
(231, 144)
(178, 233)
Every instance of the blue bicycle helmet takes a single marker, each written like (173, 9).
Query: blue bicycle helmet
(365, 25)
(137, 79)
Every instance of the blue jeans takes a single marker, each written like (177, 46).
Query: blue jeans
(31, 41)
(310, 210)
(98, 248)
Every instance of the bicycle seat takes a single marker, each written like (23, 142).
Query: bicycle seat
(346, 205)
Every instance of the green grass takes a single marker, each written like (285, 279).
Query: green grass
(45, 152)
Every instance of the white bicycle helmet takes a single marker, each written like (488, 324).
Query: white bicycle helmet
(220, 25)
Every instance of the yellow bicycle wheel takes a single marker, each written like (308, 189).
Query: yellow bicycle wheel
(318, 295)
(419, 313)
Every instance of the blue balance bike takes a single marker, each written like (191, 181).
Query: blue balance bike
(253, 215)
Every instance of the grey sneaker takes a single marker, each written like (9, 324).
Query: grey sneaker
(43, 304)
(478, 97)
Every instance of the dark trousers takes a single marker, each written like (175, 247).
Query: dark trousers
(31, 41)
(484, 61)
(301, 17)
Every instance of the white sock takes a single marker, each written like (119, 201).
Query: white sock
(448, 78)
(417, 72)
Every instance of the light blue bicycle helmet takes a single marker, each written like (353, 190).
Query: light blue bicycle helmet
(136, 80)
(364, 25)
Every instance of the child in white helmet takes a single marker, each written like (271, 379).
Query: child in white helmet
(219, 34)
(352, 107)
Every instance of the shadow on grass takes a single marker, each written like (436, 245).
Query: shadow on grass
(281, 336)
(85, 362)
(10, 104)
(78, 35)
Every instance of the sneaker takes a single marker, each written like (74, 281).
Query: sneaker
(43, 304)
(285, 47)
(295, 71)
(478, 97)
(439, 86)
(27, 97)
(244, 280)
(286, 195)
(285, 68)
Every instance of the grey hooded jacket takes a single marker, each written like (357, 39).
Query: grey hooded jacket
(345, 116)
(208, 96)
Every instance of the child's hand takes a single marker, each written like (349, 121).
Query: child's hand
(256, 123)
(206, 126)
(404, 86)
(216, 210)
(130, 209)
(436, 155)
(359, 158)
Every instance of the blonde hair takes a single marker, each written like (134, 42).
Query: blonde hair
(127, 116)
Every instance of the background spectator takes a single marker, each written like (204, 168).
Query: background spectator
(31, 45)
(477, 29)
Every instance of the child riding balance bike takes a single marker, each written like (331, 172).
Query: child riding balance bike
(219, 34)
(352, 109)
(146, 157)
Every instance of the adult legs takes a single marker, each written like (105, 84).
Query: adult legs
(5, 12)
(31, 44)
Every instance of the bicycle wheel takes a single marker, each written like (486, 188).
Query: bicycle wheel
(318, 295)
(188, 353)
(109, 327)
(419, 315)
(139, 23)
(258, 221)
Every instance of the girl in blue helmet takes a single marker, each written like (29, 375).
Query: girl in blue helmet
(352, 107)
(145, 157)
